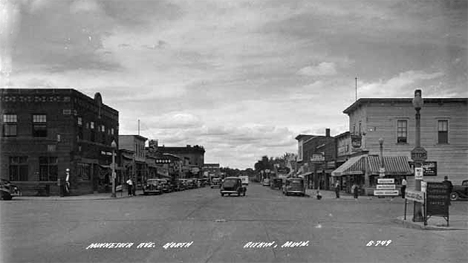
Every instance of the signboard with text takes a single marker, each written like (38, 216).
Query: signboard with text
(437, 196)
(429, 168)
(416, 196)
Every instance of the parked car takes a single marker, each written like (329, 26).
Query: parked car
(152, 186)
(8, 190)
(459, 191)
(179, 185)
(233, 185)
(294, 186)
(266, 182)
(166, 186)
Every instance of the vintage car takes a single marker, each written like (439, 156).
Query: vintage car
(215, 183)
(266, 182)
(233, 185)
(294, 186)
(459, 191)
(276, 183)
(167, 186)
(8, 190)
(153, 186)
(179, 185)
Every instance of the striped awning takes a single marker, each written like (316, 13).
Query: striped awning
(394, 165)
(354, 166)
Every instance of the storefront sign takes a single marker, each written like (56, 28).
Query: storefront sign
(386, 181)
(317, 158)
(356, 141)
(429, 168)
(386, 187)
(416, 196)
(437, 199)
(386, 192)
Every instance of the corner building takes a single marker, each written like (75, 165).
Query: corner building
(46, 131)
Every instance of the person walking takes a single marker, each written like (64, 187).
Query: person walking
(355, 190)
(450, 188)
(337, 189)
(130, 186)
(403, 187)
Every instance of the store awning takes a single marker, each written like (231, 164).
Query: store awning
(354, 166)
(394, 165)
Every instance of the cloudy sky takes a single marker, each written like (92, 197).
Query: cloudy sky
(242, 78)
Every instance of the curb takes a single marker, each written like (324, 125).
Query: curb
(417, 225)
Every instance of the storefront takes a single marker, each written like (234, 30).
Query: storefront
(364, 170)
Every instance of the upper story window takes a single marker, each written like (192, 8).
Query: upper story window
(10, 125)
(80, 121)
(39, 125)
(442, 130)
(360, 126)
(402, 131)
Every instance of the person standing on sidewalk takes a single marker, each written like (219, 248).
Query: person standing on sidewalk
(130, 186)
(403, 187)
(450, 187)
(355, 190)
(337, 189)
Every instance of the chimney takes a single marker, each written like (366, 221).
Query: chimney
(327, 132)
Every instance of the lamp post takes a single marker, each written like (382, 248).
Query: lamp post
(113, 145)
(382, 166)
(418, 154)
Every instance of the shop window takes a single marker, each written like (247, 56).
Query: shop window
(39, 125)
(18, 168)
(48, 168)
(84, 171)
(442, 131)
(402, 131)
(10, 125)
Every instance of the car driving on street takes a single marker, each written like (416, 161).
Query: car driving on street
(233, 185)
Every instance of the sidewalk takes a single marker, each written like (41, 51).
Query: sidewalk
(98, 196)
(456, 222)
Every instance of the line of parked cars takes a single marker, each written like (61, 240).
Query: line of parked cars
(160, 186)
(288, 186)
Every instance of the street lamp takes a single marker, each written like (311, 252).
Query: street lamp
(113, 146)
(382, 166)
(418, 154)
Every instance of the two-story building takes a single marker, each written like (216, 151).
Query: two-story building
(46, 131)
(135, 144)
(193, 158)
(444, 126)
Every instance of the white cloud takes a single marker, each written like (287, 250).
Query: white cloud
(322, 69)
(398, 86)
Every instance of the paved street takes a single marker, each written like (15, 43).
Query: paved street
(218, 229)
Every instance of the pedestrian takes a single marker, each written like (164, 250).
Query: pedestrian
(130, 186)
(403, 187)
(337, 189)
(134, 189)
(450, 188)
(355, 190)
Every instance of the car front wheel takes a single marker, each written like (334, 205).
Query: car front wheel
(454, 196)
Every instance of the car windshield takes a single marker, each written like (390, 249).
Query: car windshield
(153, 182)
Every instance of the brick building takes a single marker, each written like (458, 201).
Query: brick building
(192, 156)
(46, 131)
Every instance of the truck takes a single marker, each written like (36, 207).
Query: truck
(245, 179)
(459, 191)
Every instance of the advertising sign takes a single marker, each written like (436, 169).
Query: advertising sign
(429, 168)
(416, 196)
(437, 199)
(356, 141)
(386, 181)
(386, 192)
(386, 187)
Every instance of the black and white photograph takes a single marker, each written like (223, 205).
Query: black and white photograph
(233, 131)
